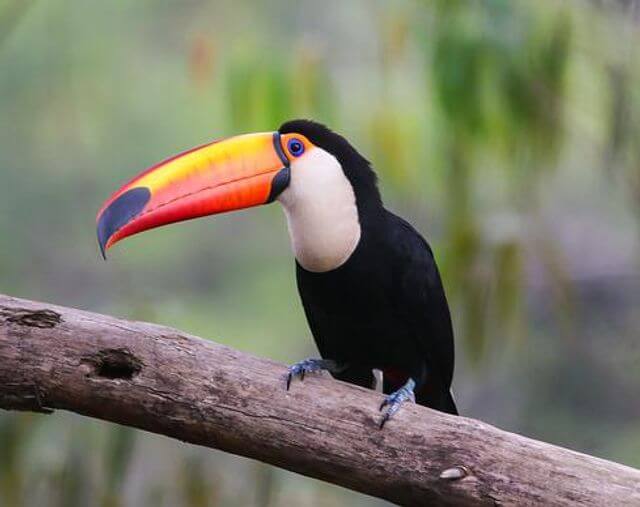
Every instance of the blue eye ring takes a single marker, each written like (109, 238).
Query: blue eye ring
(295, 147)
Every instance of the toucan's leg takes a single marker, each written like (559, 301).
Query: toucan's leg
(395, 400)
(312, 365)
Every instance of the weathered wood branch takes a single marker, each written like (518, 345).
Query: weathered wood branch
(162, 380)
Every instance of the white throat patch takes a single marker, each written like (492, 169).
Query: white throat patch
(321, 211)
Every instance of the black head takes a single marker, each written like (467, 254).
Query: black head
(356, 168)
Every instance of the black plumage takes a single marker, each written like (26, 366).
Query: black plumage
(385, 307)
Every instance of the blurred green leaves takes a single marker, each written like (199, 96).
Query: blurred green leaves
(498, 70)
(119, 450)
(264, 93)
(11, 11)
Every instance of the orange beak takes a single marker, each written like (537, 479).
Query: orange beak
(229, 174)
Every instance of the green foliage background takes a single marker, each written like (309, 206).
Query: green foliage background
(507, 131)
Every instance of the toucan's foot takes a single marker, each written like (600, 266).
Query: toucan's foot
(310, 366)
(395, 400)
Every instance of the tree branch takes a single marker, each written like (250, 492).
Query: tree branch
(165, 381)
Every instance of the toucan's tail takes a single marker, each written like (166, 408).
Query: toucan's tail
(442, 401)
(450, 404)
(433, 394)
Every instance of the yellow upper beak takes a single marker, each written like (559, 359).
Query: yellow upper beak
(229, 174)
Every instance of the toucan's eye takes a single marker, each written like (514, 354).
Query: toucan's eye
(295, 146)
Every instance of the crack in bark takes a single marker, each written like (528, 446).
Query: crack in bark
(43, 319)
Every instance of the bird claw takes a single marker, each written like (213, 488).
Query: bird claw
(301, 368)
(395, 400)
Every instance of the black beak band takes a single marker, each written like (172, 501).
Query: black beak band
(282, 179)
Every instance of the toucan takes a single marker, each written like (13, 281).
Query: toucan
(368, 281)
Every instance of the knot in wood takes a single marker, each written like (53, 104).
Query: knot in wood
(455, 473)
(114, 364)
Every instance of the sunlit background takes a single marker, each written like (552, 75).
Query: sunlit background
(508, 132)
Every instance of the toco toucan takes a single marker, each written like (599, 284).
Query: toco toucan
(368, 281)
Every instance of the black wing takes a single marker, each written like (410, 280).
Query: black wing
(425, 305)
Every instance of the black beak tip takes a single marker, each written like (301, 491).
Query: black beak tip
(103, 237)
(119, 213)
(102, 250)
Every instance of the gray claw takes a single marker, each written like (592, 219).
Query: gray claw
(308, 366)
(396, 399)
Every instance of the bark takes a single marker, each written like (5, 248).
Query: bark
(165, 381)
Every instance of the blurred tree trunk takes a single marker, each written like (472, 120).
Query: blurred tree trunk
(630, 7)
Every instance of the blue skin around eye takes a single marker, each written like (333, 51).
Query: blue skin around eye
(296, 147)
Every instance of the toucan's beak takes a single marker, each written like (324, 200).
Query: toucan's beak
(230, 174)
